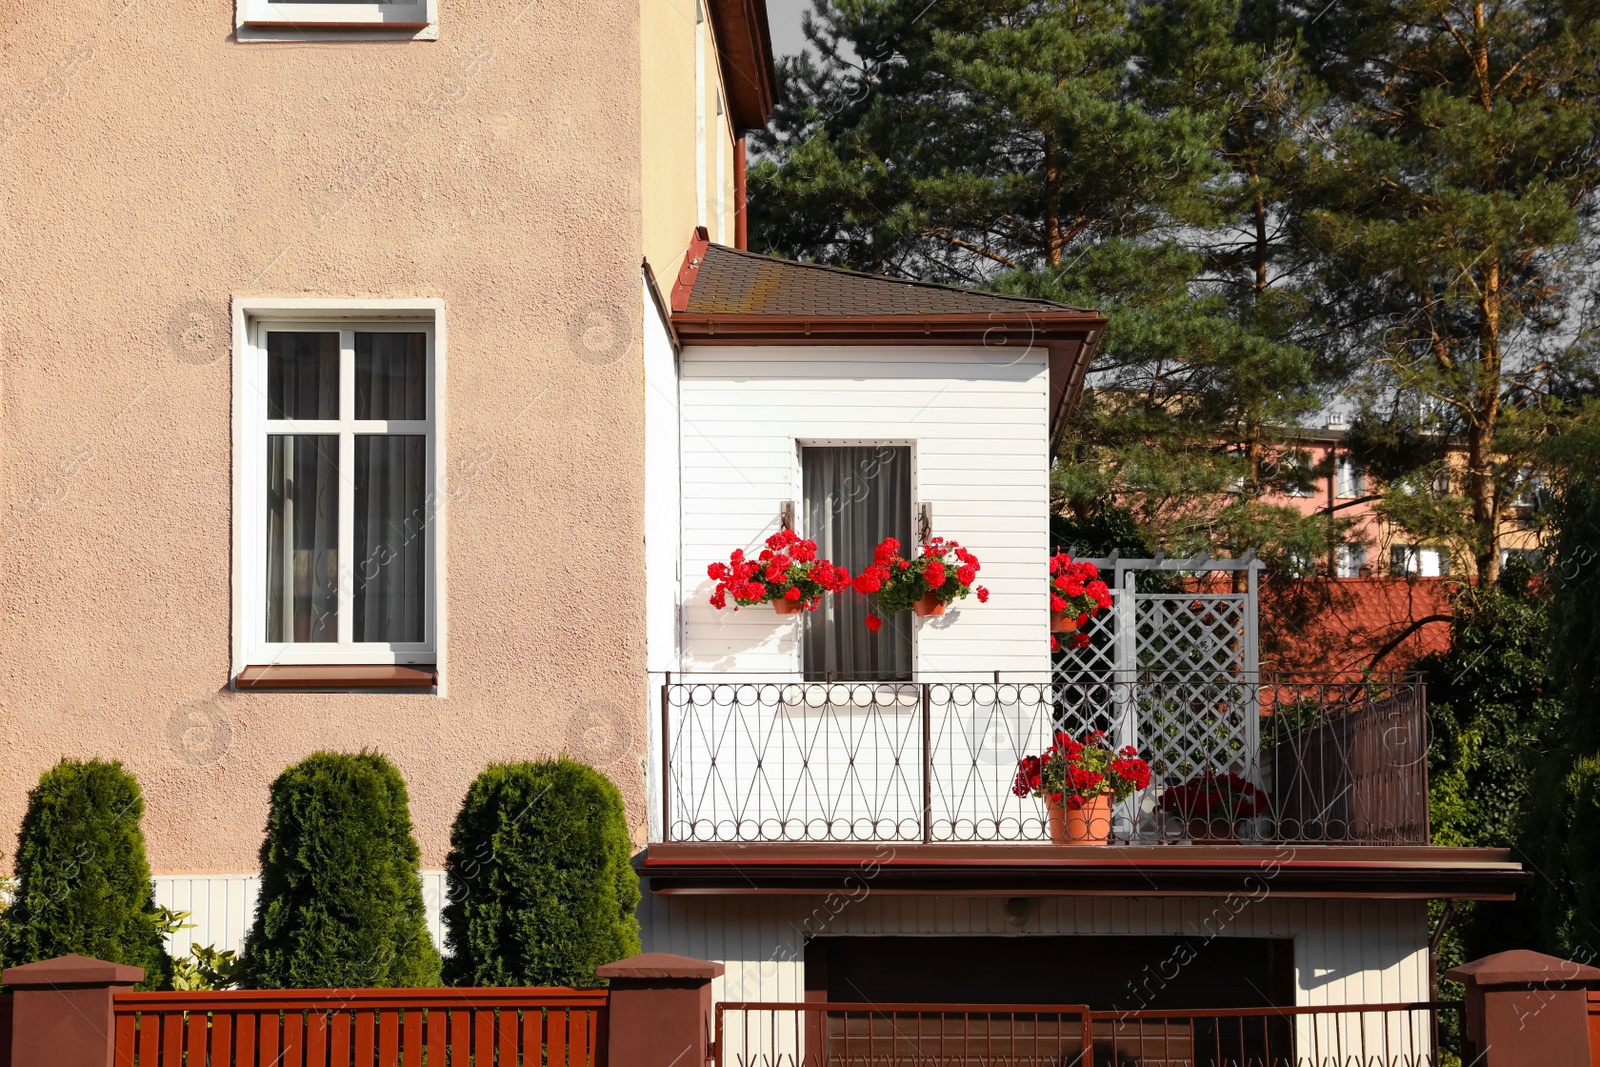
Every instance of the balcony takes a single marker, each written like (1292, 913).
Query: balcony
(1339, 761)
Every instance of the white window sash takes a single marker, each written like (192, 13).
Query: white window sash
(265, 13)
(252, 431)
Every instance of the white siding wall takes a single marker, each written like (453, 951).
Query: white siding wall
(1345, 951)
(661, 499)
(222, 907)
(977, 424)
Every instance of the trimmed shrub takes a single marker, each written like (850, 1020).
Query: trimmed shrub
(83, 883)
(540, 890)
(341, 900)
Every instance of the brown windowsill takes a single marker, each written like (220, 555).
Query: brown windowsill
(338, 676)
(279, 24)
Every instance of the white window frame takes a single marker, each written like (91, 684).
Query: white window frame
(1350, 480)
(252, 319)
(1350, 558)
(268, 20)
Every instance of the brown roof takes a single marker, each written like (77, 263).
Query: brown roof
(734, 282)
(744, 52)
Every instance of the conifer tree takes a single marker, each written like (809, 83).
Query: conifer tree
(1451, 195)
(83, 883)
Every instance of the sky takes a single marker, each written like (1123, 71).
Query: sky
(783, 19)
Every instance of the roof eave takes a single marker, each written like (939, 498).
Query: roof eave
(744, 55)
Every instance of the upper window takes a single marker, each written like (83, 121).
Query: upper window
(1349, 479)
(1350, 560)
(336, 475)
(416, 17)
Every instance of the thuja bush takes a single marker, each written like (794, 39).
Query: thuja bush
(540, 891)
(83, 883)
(341, 901)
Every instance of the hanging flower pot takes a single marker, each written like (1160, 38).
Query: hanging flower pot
(789, 564)
(926, 584)
(1076, 594)
(1087, 824)
(1062, 623)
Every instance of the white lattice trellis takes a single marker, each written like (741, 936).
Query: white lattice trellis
(1173, 672)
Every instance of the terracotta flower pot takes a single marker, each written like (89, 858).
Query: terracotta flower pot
(1088, 825)
(928, 605)
(1062, 623)
(788, 607)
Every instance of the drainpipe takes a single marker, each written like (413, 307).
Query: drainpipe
(741, 236)
(1433, 948)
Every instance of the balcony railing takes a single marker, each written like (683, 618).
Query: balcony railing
(1336, 761)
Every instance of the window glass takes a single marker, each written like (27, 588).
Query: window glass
(391, 530)
(391, 382)
(302, 375)
(302, 538)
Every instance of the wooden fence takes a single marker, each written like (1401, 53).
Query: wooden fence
(364, 1027)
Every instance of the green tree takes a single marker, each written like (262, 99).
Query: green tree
(340, 904)
(539, 884)
(1451, 193)
(83, 883)
(1126, 157)
(1569, 860)
(1492, 714)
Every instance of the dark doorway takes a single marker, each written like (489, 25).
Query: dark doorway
(1190, 976)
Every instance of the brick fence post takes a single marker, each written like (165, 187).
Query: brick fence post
(659, 1013)
(1526, 1009)
(61, 1011)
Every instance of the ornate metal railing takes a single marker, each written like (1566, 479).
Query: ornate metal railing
(1330, 760)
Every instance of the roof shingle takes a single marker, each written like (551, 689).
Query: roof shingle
(735, 282)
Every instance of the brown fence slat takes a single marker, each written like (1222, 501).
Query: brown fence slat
(389, 1039)
(365, 1036)
(556, 1039)
(124, 1036)
(411, 1039)
(461, 1037)
(222, 1039)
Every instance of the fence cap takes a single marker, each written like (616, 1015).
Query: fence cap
(1522, 966)
(660, 965)
(71, 970)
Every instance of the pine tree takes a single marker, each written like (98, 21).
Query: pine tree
(83, 883)
(340, 904)
(1452, 188)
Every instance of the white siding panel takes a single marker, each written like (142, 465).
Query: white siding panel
(977, 424)
(222, 907)
(1346, 952)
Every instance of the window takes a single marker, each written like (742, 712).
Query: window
(1351, 559)
(1350, 479)
(854, 497)
(1300, 475)
(1533, 557)
(1423, 562)
(1530, 490)
(338, 523)
(264, 18)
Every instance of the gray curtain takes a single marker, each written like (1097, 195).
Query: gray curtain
(302, 537)
(855, 497)
(390, 537)
(391, 375)
(302, 375)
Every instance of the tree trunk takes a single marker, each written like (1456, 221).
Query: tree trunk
(1481, 431)
(1052, 203)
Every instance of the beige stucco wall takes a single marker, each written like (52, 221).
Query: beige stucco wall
(151, 168)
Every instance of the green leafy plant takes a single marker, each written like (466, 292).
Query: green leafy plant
(83, 883)
(540, 890)
(205, 967)
(341, 901)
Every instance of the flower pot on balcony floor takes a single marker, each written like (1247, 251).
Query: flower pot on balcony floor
(928, 605)
(1088, 825)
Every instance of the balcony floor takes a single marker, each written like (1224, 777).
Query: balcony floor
(1283, 869)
